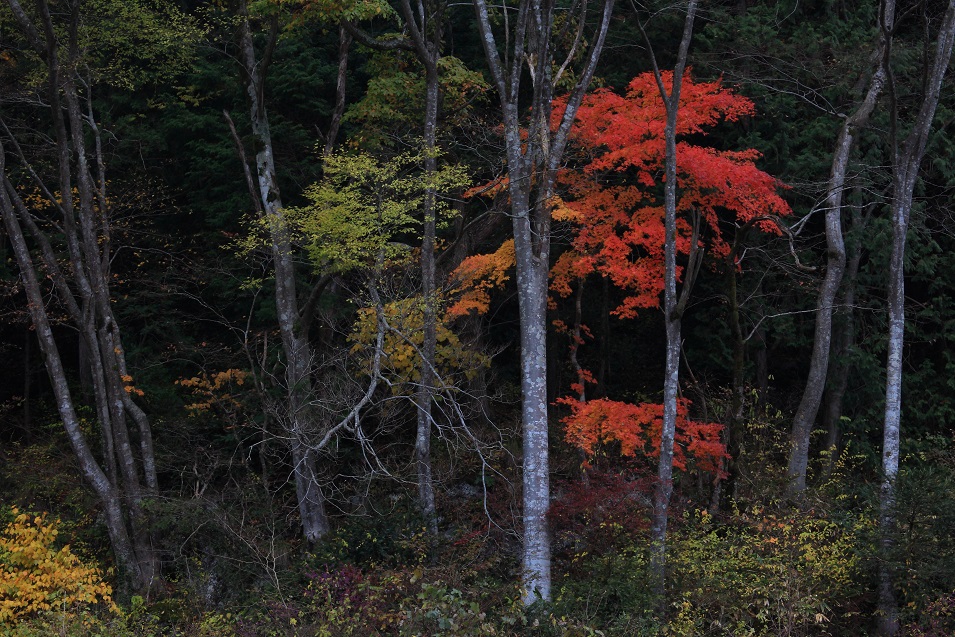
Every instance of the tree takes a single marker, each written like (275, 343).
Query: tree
(672, 314)
(58, 201)
(906, 159)
(357, 215)
(532, 163)
(293, 327)
(619, 227)
(620, 230)
(425, 25)
(835, 263)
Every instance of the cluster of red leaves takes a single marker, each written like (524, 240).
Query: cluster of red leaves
(637, 429)
(620, 231)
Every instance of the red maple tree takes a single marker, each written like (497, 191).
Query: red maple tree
(614, 203)
(595, 423)
(615, 199)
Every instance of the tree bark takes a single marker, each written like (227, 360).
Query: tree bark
(836, 263)
(906, 161)
(732, 433)
(843, 344)
(136, 567)
(672, 314)
(532, 166)
(426, 38)
(295, 345)
(83, 288)
(27, 387)
(344, 44)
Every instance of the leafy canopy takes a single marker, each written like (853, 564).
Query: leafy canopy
(615, 201)
(363, 207)
(614, 204)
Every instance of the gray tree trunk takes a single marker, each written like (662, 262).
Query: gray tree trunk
(907, 158)
(532, 167)
(344, 44)
(672, 314)
(843, 344)
(83, 289)
(426, 29)
(295, 345)
(805, 416)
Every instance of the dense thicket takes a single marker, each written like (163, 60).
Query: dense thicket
(348, 318)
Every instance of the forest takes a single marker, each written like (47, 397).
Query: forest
(426, 318)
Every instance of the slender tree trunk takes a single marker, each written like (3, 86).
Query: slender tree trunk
(577, 340)
(344, 44)
(672, 319)
(836, 262)
(532, 165)
(761, 357)
(126, 557)
(907, 159)
(83, 288)
(428, 291)
(604, 370)
(295, 345)
(843, 344)
(425, 29)
(732, 434)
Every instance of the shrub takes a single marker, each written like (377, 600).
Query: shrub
(764, 574)
(937, 620)
(35, 576)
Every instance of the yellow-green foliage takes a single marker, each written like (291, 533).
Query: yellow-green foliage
(394, 98)
(766, 574)
(402, 343)
(35, 576)
(362, 209)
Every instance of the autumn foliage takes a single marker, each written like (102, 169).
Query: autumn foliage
(36, 576)
(404, 339)
(615, 200)
(474, 279)
(613, 203)
(636, 428)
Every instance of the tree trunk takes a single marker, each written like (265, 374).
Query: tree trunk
(83, 288)
(426, 37)
(136, 567)
(295, 345)
(732, 433)
(532, 165)
(905, 167)
(604, 370)
(428, 292)
(672, 314)
(344, 44)
(843, 344)
(27, 386)
(836, 262)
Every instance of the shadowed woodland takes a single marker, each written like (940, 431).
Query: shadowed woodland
(417, 318)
